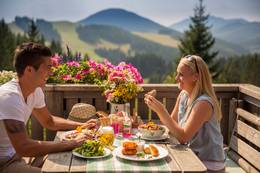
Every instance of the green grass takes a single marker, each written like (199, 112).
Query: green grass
(15, 29)
(67, 31)
(162, 39)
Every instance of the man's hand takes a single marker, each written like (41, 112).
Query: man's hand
(90, 124)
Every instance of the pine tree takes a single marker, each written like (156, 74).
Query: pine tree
(198, 40)
(20, 38)
(7, 46)
(56, 47)
(33, 32)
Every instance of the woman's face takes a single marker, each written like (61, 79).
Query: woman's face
(185, 77)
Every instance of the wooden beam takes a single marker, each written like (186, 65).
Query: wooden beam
(248, 132)
(248, 116)
(242, 162)
(246, 151)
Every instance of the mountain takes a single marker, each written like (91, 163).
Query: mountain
(237, 31)
(117, 40)
(126, 20)
(97, 40)
(45, 28)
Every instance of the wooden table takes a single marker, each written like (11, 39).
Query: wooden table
(180, 159)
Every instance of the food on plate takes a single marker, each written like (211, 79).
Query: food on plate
(105, 121)
(129, 148)
(151, 126)
(74, 135)
(78, 134)
(101, 114)
(79, 129)
(91, 148)
(154, 150)
(129, 152)
(152, 93)
(151, 130)
(147, 150)
(129, 145)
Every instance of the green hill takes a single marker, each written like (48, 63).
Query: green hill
(95, 33)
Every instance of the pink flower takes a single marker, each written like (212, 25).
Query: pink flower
(92, 63)
(78, 76)
(55, 60)
(73, 63)
(66, 77)
(84, 72)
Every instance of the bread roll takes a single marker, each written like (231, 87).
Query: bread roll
(147, 150)
(154, 150)
(152, 93)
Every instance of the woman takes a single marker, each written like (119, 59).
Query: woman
(195, 118)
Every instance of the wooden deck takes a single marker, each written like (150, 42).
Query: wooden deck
(234, 99)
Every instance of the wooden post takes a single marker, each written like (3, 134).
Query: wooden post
(232, 117)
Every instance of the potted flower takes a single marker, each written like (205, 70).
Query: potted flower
(121, 85)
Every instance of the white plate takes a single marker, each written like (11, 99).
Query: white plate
(63, 135)
(164, 136)
(162, 153)
(107, 153)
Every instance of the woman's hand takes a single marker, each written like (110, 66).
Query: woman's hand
(154, 104)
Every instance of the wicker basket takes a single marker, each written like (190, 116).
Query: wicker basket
(82, 112)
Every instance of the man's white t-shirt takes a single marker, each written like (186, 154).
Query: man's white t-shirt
(13, 106)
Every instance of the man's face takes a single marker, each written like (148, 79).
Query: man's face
(41, 75)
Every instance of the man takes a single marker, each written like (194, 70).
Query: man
(21, 97)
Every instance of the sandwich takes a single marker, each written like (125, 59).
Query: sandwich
(129, 148)
(152, 93)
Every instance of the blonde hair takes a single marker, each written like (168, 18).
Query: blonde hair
(203, 84)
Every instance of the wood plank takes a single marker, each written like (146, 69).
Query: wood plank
(101, 104)
(69, 104)
(232, 117)
(142, 109)
(225, 119)
(250, 90)
(242, 162)
(170, 103)
(248, 116)
(37, 129)
(186, 159)
(85, 94)
(54, 102)
(170, 160)
(57, 162)
(248, 132)
(154, 116)
(86, 100)
(78, 165)
(246, 151)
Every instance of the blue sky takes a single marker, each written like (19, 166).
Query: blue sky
(165, 12)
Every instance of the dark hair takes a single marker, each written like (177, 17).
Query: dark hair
(30, 54)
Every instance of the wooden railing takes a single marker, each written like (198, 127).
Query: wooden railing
(61, 98)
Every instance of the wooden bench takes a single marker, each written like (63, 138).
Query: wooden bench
(244, 146)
